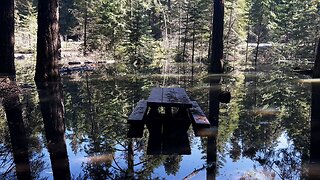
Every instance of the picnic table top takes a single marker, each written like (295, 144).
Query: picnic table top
(169, 97)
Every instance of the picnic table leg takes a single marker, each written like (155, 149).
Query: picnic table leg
(168, 112)
(182, 112)
(153, 110)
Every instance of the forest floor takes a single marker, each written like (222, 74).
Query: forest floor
(71, 55)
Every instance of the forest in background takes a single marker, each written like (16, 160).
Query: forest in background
(142, 33)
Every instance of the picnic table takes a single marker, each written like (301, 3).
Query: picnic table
(168, 98)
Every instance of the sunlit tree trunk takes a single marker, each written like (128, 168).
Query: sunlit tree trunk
(316, 70)
(258, 43)
(7, 37)
(193, 51)
(217, 37)
(48, 42)
(247, 45)
(184, 50)
(85, 29)
(230, 28)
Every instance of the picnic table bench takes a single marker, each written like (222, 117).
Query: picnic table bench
(139, 112)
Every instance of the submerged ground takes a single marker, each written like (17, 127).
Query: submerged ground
(263, 133)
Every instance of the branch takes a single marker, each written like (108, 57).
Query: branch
(195, 172)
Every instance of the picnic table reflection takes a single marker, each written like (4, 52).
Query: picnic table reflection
(168, 114)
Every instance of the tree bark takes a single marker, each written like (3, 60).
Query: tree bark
(48, 42)
(316, 70)
(217, 37)
(7, 38)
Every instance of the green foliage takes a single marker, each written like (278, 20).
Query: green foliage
(26, 27)
(293, 26)
(68, 21)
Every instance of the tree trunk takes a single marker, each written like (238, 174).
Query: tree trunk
(217, 37)
(247, 45)
(7, 38)
(85, 30)
(47, 41)
(185, 40)
(316, 70)
(257, 47)
(193, 49)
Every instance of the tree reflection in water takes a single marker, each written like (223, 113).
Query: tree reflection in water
(314, 165)
(265, 124)
(17, 131)
(214, 108)
(52, 109)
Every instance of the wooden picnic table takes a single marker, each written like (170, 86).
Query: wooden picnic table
(168, 98)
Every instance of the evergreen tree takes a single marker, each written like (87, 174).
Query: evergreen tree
(68, 21)
(26, 27)
(138, 44)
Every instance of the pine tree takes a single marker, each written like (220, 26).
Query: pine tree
(138, 44)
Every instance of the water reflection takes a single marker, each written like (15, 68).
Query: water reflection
(314, 165)
(51, 104)
(263, 132)
(214, 109)
(168, 136)
(17, 131)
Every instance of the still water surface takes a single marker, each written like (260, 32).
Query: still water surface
(77, 128)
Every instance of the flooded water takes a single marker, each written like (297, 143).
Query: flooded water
(77, 129)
